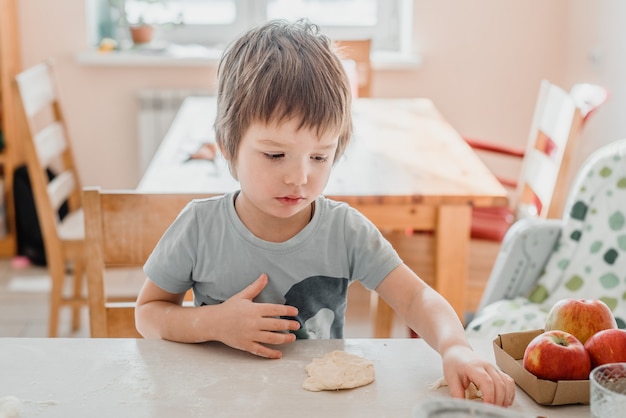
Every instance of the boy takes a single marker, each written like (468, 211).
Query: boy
(273, 261)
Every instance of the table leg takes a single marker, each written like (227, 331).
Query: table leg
(452, 242)
(382, 316)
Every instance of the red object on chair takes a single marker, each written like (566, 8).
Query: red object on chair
(491, 223)
(504, 150)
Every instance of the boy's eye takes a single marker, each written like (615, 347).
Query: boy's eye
(320, 158)
(274, 156)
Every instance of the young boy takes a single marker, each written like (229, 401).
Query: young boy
(273, 261)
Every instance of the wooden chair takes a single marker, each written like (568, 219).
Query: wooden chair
(121, 229)
(554, 131)
(48, 147)
(358, 50)
(540, 189)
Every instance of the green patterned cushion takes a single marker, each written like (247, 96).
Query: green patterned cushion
(589, 261)
(507, 315)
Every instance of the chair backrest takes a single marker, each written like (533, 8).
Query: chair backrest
(553, 135)
(121, 229)
(48, 148)
(358, 50)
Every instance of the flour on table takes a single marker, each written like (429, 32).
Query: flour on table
(338, 370)
(10, 407)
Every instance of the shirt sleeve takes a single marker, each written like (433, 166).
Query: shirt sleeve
(371, 256)
(171, 263)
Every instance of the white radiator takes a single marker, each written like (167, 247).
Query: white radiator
(157, 109)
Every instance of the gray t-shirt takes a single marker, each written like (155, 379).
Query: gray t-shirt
(209, 249)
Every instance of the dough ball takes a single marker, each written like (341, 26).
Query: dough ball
(338, 370)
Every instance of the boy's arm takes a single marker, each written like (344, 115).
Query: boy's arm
(422, 308)
(432, 317)
(238, 322)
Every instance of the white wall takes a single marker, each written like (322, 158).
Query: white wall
(482, 63)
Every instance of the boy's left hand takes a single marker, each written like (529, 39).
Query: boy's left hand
(462, 366)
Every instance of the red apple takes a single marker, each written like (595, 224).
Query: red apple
(557, 355)
(580, 317)
(607, 346)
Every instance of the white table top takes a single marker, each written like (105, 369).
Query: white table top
(154, 378)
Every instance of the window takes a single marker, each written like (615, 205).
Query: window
(217, 22)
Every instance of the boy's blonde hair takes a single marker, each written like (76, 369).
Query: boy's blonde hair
(278, 71)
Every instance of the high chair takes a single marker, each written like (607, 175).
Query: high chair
(580, 255)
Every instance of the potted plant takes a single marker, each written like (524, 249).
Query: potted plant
(141, 32)
(138, 16)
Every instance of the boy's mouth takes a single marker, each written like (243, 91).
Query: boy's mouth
(290, 200)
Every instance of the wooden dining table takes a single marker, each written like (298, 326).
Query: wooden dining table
(97, 377)
(406, 169)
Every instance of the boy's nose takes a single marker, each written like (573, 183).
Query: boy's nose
(296, 174)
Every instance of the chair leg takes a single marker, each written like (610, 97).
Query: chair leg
(57, 278)
(382, 315)
(78, 278)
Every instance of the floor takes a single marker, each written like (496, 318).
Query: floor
(24, 307)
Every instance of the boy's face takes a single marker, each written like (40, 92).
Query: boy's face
(282, 169)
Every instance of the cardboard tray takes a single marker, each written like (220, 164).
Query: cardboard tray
(509, 352)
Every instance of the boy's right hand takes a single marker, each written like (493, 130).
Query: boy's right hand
(248, 326)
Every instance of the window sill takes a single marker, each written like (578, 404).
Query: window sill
(197, 56)
(155, 55)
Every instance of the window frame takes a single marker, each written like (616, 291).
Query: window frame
(387, 35)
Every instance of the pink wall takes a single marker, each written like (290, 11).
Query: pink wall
(482, 63)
